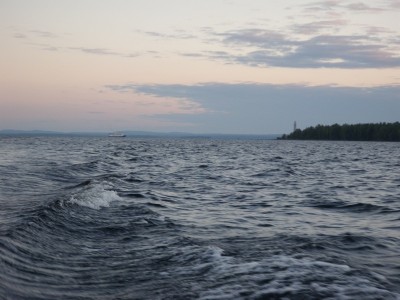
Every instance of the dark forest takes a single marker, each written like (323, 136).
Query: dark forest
(346, 132)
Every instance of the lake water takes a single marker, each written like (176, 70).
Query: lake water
(136, 218)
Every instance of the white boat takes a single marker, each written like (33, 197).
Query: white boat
(117, 134)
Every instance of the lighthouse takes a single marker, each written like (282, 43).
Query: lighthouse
(294, 126)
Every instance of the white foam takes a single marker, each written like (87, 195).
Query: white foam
(95, 196)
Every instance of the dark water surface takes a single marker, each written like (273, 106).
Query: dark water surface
(92, 218)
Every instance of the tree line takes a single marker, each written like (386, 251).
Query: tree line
(346, 132)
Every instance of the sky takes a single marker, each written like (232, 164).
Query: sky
(210, 66)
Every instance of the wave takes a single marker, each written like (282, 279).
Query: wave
(273, 277)
(345, 206)
(79, 238)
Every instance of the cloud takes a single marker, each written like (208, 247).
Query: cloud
(97, 51)
(377, 30)
(320, 51)
(107, 52)
(331, 5)
(268, 108)
(20, 36)
(44, 46)
(360, 6)
(323, 5)
(318, 26)
(35, 34)
(322, 43)
(169, 105)
(44, 34)
(258, 37)
(394, 4)
(86, 50)
(177, 34)
(35, 38)
(212, 55)
(327, 43)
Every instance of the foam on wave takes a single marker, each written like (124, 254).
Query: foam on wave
(95, 196)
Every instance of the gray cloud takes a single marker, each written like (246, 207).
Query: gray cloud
(324, 46)
(191, 54)
(32, 36)
(213, 55)
(377, 30)
(178, 34)
(35, 33)
(360, 6)
(44, 34)
(44, 46)
(20, 36)
(258, 37)
(268, 108)
(328, 51)
(323, 5)
(318, 26)
(394, 4)
(98, 51)
(316, 44)
(331, 5)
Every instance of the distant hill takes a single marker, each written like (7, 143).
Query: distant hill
(346, 132)
(13, 132)
(128, 133)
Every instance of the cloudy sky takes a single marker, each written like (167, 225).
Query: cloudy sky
(209, 66)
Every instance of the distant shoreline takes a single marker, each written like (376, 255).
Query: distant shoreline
(142, 134)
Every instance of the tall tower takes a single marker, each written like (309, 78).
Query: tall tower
(294, 126)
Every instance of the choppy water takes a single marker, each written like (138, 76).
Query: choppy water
(90, 218)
